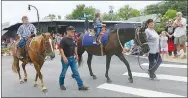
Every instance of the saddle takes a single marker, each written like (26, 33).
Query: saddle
(25, 48)
(92, 33)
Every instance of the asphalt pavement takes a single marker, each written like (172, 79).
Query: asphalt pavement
(172, 83)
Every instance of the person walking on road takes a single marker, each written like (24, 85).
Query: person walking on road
(154, 55)
(68, 53)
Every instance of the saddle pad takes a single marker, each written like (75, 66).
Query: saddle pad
(88, 40)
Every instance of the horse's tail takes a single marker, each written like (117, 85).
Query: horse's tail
(15, 63)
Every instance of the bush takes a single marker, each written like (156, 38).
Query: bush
(6, 51)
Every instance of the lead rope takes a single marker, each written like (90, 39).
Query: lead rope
(139, 52)
(119, 39)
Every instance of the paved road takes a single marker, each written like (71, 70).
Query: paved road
(173, 80)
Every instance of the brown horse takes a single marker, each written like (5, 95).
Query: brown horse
(114, 46)
(37, 48)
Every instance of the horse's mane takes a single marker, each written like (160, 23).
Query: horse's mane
(114, 30)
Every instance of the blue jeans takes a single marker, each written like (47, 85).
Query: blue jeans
(97, 31)
(72, 64)
(154, 60)
(22, 43)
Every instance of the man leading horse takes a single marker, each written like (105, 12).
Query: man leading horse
(25, 31)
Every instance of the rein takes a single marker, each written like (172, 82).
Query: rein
(119, 39)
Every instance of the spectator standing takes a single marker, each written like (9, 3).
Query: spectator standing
(180, 34)
(164, 44)
(169, 32)
(129, 45)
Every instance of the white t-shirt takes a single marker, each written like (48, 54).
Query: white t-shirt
(153, 40)
(180, 31)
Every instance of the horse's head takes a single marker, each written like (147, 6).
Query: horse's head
(141, 39)
(48, 45)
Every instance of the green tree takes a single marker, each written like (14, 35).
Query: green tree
(69, 17)
(59, 16)
(50, 16)
(170, 14)
(112, 17)
(79, 12)
(162, 7)
(127, 12)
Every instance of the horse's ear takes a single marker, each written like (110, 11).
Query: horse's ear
(43, 34)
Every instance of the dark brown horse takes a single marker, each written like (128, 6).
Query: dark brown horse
(37, 48)
(114, 46)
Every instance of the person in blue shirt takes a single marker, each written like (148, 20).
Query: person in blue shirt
(129, 45)
(97, 26)
(25, 31)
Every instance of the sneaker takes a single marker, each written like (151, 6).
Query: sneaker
(94, 42)
(62, 87)
(83, 88)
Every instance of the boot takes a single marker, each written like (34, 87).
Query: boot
(62, 87)
(83, 88)
(19, 53)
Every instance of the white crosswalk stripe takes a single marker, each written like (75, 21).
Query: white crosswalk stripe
(160, 76)
(136, 91)
(168, 65)
(146, 92)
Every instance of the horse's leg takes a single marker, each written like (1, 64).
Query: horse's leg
(122, 58)
(17, 67)
(108, 59)
(20, 78)
(89, 59)
(36, 78)
(37, 68)
(25, 73)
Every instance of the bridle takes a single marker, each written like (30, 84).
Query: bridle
(137, 38)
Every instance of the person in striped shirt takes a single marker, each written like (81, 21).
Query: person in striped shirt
(25, 31)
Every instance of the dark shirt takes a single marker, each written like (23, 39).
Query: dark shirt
(170, 30)
(68, 46)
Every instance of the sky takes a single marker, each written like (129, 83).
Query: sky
(12, 11)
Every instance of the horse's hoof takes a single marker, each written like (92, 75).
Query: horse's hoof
(45, 90)
(35, 85)
(109, 81)
(21, 82)
(72, 76)
(94, 77)
(25, 80)
(130, 80)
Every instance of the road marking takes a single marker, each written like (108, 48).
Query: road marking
(168, 65)
(136, 91)
(160, 76)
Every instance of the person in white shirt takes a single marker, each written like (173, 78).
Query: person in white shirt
(180, 34)
(154, 57)
(164, 44)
